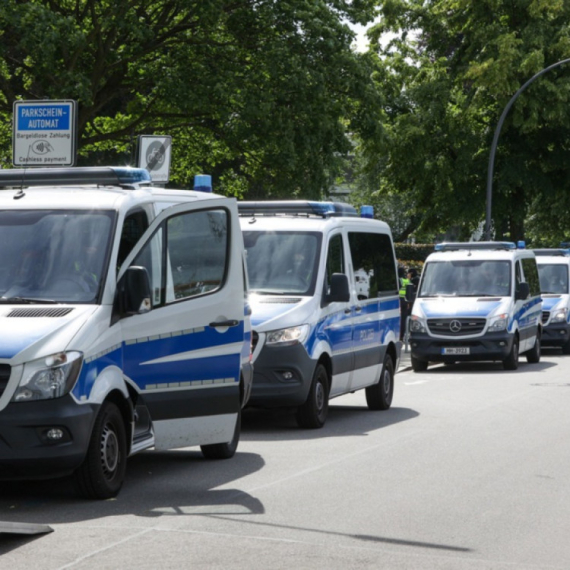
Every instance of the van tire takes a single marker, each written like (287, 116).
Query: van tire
(419, 365)
(102, 472)
(379, 396)
(313, 413)
(533, 355)
(512, 360)
(224, 450)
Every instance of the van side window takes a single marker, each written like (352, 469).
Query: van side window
(198, 250)
(187, 256)
(518, 274)
(531, 275)
(134, 226)
(335, 260)
(373, 264)
(151, 258)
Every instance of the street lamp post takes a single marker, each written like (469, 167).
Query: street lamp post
(496, 140)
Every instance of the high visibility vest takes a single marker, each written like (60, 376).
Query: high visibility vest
(403, 283)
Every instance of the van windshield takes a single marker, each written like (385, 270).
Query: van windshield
(282, 263)
(53, 255)
(553, 278)
(466, 278)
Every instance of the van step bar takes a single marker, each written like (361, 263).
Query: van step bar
(24, 528)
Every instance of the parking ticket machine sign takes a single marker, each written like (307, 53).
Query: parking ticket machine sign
(44, 133)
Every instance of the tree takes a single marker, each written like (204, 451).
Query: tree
(447, 75)
(261, 94)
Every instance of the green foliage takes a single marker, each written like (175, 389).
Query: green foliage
(446, 77)
(263, 95)
(413, 252)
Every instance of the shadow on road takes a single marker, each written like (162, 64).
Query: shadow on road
(486, 367)
(157, 484)
(260, 424)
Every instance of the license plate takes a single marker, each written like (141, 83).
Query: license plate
(455, 350)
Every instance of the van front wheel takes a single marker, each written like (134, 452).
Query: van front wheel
(533, 355)
(512, 361)
(379, 396)
(419, 365)
(102, 472)
(313, 413)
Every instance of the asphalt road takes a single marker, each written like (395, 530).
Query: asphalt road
(468, 470)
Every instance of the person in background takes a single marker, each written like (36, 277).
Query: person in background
(404, 305)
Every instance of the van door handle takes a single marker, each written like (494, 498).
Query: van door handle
(347, 311)
(358, 309)
(230, 323)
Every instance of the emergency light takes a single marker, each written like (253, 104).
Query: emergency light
(474, 245)
(366, 212)
(81, 176)
(296, 207)
(203, 183)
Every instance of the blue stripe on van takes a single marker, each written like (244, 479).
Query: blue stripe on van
(131, 358)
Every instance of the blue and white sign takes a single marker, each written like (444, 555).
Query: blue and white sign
(154, 155)
(44, 133)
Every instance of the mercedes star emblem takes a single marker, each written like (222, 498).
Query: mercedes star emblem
(455, 326)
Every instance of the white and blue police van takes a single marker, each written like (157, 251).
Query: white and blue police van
(325, 307)
(553, 270)
(477, 301)
(125, 325)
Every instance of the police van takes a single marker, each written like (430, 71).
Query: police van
(477, 301)
(553, 270)
(125, 323)
(325, 307)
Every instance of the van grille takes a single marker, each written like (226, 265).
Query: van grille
(545, 317)
(5, 371)
(456, 327)
(37, 313)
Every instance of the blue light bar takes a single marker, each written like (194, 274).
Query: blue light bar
(366, 212)
(73, 176)
(474, 245)
(295, 208)
(128, 175)
(558, 252)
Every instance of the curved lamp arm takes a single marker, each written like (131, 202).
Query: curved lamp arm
(496, 140)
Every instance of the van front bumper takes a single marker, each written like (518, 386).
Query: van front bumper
(281, 376)
(491, 346)
(27, 452)
(556, 334)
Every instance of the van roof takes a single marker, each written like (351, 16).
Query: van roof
(85, 188)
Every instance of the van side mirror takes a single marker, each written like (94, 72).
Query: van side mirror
(339, 291)
(522, 292)
(134, 293)
(410, 293)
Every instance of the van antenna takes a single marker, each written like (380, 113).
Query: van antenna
(21, 193)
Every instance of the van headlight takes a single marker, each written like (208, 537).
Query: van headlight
(417, 325)
(287, 337)
(499, 324)
(559, 316)
(50, 377)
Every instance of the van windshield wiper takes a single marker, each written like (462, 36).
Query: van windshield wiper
(26, 301)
